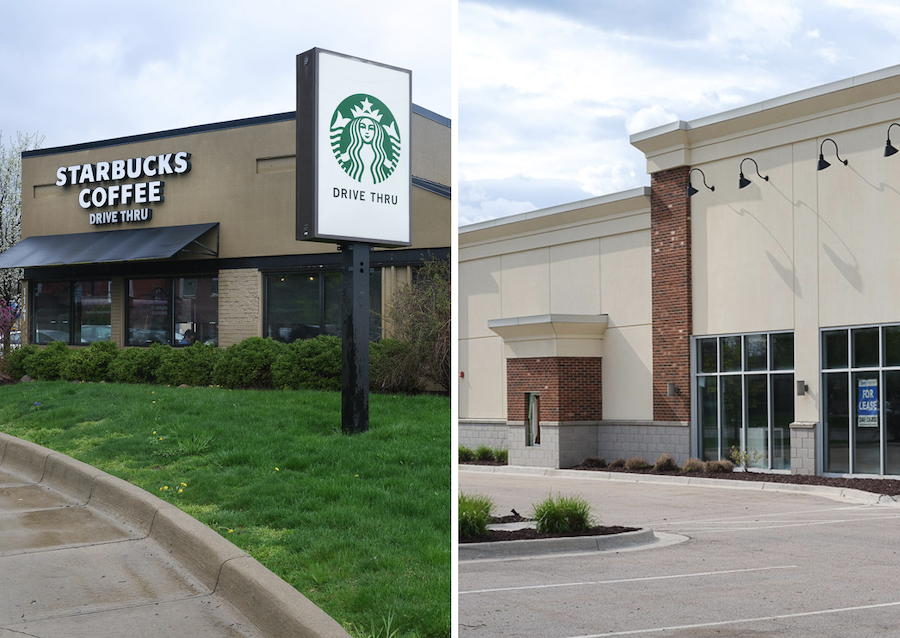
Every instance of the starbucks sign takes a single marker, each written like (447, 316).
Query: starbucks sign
(353, 159)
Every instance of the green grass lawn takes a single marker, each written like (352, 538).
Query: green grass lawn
(359, 524)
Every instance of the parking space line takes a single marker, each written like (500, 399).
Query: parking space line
(629, 580)
(722, 623)
(776, 525)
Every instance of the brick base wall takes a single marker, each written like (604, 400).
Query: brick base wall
(570, 388)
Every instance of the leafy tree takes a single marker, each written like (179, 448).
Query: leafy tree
(11, 218)
(419, 317)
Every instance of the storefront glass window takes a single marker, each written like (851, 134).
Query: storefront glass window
(75, 312)
(746, 402)
(305, 305)
(861, 407)
(176, 312)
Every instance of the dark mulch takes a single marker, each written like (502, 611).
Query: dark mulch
(890, 487)
(529, 533)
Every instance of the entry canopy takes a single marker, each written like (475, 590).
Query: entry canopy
(132, 244)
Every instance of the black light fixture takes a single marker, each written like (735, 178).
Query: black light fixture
(888, 147)
(691, 191)
(822, 163)
(743, 181)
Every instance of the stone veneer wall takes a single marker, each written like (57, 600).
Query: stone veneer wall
(623, 440)
(474, 434)
(803, 448)
(670, 228)
(117, 294)
(240, 305)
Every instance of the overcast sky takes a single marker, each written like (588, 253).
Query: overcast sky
(549, 92)
(97, 69)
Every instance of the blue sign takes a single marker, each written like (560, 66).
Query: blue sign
(867, 405)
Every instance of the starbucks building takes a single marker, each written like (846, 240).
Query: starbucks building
(747, 299)
(189, 234)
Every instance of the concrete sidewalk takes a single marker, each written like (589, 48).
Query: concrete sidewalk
(83, 553)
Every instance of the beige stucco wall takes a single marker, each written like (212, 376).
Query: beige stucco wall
(808, 249)
(243, 178)
(589, 258)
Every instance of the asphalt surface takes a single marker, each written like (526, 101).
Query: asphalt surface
(740, 561)
(83, 554)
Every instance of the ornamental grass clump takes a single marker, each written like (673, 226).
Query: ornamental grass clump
(594, 461)
(484, 454)
(693, 464)
(562, 515)
(466, 454)
(722, 466)
(636, 463)
(665, 463)
(474, 514)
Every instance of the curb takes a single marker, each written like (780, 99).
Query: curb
(543, 546)
(835, 493)
(271, 604)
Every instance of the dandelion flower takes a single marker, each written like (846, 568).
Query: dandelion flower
(277, 470)
(165, 487)
(180, 490)
(183, 484)
(230, 531)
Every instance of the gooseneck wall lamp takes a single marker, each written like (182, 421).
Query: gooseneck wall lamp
(743, 181)
(888, 147)
(822, 163)
(691, 191)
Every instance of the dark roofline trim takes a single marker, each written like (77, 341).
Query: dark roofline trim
(193, 130)
(432, 187)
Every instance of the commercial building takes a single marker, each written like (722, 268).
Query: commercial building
(189, 234)
(757, 311)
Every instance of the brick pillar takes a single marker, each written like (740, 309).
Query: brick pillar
(670, 224)
(570, 387)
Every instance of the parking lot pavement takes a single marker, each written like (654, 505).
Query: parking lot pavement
(755, 563)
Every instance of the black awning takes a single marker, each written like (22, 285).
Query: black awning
(132, 244)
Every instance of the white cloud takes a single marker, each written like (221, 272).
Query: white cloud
(491, 209)
(647, 118)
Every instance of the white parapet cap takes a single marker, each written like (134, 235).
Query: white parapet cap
(805, 102)
(553, 335)
(621, 196)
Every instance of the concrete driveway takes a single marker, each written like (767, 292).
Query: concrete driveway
(753, 562)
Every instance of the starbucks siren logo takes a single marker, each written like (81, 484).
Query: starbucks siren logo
(364, 138)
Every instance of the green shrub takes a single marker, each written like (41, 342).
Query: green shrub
(466, 455)
(474, 514)
(484, 454)
(563, 515)
(16, 358)
(90, 364)
(137, 365)
(248, 364)
(722, 466)
(46, 364)
(665, 463)
(501, 456)
(313, 364)
(693, 465)
(192, 365)
(636, 463)
(389, 371)
(594, 461)
(617, 463)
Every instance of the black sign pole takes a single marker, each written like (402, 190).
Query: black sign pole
(355, 347)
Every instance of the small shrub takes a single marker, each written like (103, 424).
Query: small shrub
(248, 364)
(16, 358)
(389, 369)
(313, 364)
(474, 514)
(90, 364)
(501, 456)
(636, 463)
(46, 364)
(617, 463)
(665, 463)
(563, 515)
(745, 458)
(137, 365)
(722, 466)
(192, 365)
(484, 454)
(466, 455)
(693, 465)
(594, 461)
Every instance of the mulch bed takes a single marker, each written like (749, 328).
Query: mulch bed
(889, 487)
(529, 533)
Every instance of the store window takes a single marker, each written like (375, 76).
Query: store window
(75, 312)
(861, 399)
(307, 304)
(745, 397)
(175, 311)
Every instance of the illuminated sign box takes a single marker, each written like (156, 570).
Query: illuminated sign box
(353, 150)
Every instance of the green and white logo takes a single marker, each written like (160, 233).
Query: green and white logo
(364, 139)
